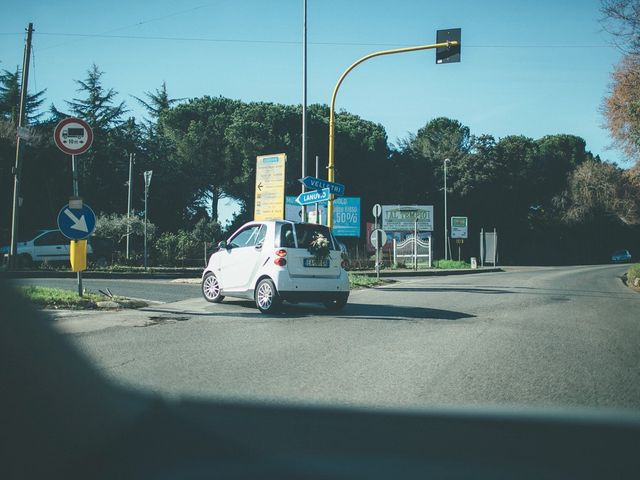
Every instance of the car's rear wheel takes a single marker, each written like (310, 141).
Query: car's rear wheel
(211, 288)
(266, 296)
(337, 303)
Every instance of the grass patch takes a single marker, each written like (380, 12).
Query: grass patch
(364, 281)
(633, 276)
(57, 298)
(450, 264)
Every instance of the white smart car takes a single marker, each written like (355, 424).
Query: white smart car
(272, 261)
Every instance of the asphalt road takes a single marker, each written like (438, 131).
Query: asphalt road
(532, 336)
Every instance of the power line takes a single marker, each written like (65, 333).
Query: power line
(296, 42)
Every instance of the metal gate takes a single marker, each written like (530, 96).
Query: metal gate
(412, 252)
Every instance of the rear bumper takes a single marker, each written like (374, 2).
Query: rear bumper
(293, 296)
(318, 286)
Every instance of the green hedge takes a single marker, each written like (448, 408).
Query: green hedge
(633, 274)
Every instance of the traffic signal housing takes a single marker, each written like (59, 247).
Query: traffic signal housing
(450, 54)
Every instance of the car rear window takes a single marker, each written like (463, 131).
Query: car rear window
(306, 232)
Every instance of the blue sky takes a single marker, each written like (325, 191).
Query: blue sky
(530, 68)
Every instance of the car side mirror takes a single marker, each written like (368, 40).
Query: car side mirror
(222, 245)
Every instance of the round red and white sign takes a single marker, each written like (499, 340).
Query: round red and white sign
(73, 136)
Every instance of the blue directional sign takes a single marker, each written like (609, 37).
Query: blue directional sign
(76, 223)
(307, 198)
(318, 183)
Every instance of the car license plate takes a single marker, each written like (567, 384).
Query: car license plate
(314, 262)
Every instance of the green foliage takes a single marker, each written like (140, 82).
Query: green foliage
(56, 298)
(116, 227)
(176, 248)
(450, 264)
(43, 297)
(207, 231)
(10, 89)
(363, 281)
(633, 275)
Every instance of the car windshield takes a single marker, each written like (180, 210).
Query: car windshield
(378, 204)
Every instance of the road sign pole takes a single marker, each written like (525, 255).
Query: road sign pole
(145, 226)
(317, 204)
(74, 173)
(131, 157)
(415, 244)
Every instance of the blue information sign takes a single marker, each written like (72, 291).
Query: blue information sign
(346, 217)
(316, 196)
(76, 223)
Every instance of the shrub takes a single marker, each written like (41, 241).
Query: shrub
(177, 248)
(633, 275)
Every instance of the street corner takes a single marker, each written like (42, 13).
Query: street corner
(86, 321)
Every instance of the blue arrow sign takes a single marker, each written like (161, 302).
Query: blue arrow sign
(318, 183)
(316, 196)
(76, 223)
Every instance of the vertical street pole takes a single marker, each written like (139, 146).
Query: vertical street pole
(317, 204)
(378, 239)
(131, 156)
(145, 226)
(147, 182)
(74, 173)
(17, 171)
(415, 245)
(304, 105)
(446, 225)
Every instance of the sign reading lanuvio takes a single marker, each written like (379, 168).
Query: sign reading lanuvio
(316, 196)
(318, 183)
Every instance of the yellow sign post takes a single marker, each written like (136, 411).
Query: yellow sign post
(269, 196)
(78, 255)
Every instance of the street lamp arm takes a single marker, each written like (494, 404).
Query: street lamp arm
(331, 176)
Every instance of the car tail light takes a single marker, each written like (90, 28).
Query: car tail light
(281, 253)
(280, 261)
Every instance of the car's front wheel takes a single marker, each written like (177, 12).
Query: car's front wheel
(338, 302)
(211, 288)
(266, 296)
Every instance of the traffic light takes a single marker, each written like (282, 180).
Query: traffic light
(449, 54)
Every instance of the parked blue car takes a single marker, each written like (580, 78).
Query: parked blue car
(621, 256)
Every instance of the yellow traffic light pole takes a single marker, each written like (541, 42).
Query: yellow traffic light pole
(331, 176)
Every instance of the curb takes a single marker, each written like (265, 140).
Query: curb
(427, 273)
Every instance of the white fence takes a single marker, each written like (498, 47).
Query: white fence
(412, 252)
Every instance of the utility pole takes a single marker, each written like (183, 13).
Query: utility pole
(132, 157)
(304, 103)
(446, 224)
(147, 183)
(17, 170)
